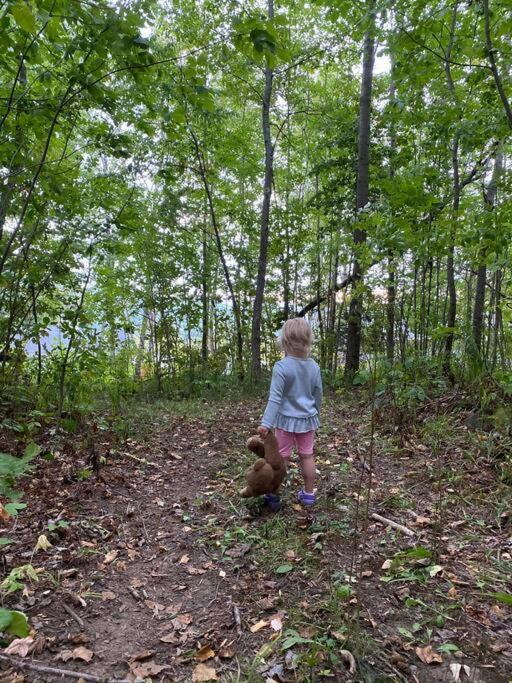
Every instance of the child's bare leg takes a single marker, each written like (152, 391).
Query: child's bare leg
(307, 464)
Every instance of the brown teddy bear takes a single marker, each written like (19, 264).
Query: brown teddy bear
(268, 472)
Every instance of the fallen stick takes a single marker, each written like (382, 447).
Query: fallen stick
(238, 620)
(42, 668)
(74, 615)
(392, 524)
(382, 520)
(143, 461)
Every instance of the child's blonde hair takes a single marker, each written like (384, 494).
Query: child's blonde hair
(296, 337)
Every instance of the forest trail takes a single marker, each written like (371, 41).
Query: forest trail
(158, 557)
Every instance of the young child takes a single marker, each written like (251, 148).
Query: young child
(294, 405)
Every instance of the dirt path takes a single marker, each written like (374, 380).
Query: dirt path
(157, 558)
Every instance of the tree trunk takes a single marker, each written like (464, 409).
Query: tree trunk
(265, 219)
(205, 275)
(362, 194)
(450, 267)
(479, 306)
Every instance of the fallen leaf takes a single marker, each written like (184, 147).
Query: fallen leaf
(155, 607)
(428, 656)
(227, 652)
(349, 660)
(258, 626)
(107, 595)
(422, 521)
(140, 656)
(340, 637)
(42, 543)
(110, 556)
(64, 655)
(456, 670)
(4, 515)
(276, 624)
(183, 559)
(452, 593)
(204, 673)
(204, 653)
(20, 646)
(170, 638)
(146, 670)
(195, 571)
(267, 603)
(367, 573)
(387, 564)
(82, 653)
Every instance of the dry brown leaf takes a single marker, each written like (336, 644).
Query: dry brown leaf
(82, 653)
(258, 626)
(155, 607)
(387, 564)
(452, 593)
(340, 637)
(64, 655)
(227, 652)
(428, 656)
(140, 656)
(170, 638)
(4, 515)
(367, 573)
(204, 653)
(183, 559)
(203, 673)
(195, 571)
(110, 556)
(107, 595)
(146, 670)
(20, 647)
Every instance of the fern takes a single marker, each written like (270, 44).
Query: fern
(12, 468)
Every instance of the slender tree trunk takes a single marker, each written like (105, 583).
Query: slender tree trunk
(481, 278)
(450, 266)
(222, 256)
(362, 194)
(205, 276)
(265, 218)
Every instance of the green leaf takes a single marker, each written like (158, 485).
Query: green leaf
(5, 618)
(24, 17)
(31, 450)
(447, 648)
(14, 508)
(19, 625)
(285, 568)
(5, 541)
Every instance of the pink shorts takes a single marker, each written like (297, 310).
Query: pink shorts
(303, 442)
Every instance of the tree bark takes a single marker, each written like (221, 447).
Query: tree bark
(265, 218)
(362, 194)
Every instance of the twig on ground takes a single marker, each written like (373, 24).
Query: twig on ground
(238, 620)
(42, 668)
(392, 524)
(143, 461)
(383, 520)
(74, 615)
(134, 593)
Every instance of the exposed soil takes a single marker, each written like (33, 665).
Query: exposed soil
(158, 557)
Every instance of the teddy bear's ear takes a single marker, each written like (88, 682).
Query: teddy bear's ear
(255, 444)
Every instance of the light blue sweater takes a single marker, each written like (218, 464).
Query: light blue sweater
(295, 395)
